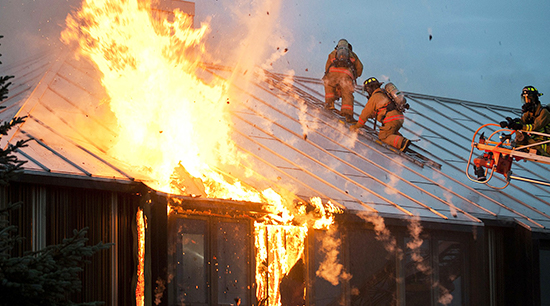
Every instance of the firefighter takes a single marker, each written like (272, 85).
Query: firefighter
(382, 108)
(535, 118)
(342, 69)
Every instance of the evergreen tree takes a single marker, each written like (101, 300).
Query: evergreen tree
(4, 83)
(47, 276)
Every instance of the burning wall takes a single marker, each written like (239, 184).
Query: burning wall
(176, 126)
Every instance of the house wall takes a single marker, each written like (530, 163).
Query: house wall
(443, 268)
(447, 267)
(517, 265)
(50, 213)
(541, 252)
(450, 265)
(203, 254)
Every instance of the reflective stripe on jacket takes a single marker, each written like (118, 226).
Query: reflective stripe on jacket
(353, 58)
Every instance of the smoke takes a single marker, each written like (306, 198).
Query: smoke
(415, 229)
(31, 27)
(330, 269)
(159, 290)
(238, 40)
(445, 297)
(448, 195)
(303, 117)
(383, 234)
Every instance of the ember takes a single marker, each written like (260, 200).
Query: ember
(176, 128)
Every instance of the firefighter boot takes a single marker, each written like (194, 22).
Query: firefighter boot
(350, 119)
(405, 145)
(329, 105)
(480, 173)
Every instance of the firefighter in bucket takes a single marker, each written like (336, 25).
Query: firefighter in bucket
(535, 118)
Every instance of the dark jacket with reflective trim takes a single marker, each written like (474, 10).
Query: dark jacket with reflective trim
(538, 121)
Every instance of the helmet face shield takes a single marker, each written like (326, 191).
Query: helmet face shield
(530, 94)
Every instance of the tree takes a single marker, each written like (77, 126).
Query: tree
(4, 83)
(47, 276)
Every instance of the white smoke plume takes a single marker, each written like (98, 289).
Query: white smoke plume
(330, 269)
(415, 229)
(383, 234)
(288, 94)
(448, 195)
(445, 297)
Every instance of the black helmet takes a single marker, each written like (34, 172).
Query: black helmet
(371, 84)
(530, 94)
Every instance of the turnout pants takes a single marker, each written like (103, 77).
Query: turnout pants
(344, 81)
(389, 131)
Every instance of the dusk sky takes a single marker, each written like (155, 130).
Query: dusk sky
(481, 51)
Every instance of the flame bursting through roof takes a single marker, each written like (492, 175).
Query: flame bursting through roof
(165, 114)
(170, 119)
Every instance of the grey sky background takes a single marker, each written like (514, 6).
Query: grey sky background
(482, 51)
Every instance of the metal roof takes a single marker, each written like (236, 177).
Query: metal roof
(292, 141)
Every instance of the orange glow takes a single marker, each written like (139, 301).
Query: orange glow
(140, 286)
(278, 248)
(168, 119)
(280, 243)
(165, 114)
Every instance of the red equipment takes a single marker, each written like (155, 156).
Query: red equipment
(498, 156)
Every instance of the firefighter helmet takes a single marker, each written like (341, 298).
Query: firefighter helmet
(530, 94)
(371, 84)
(342, 43)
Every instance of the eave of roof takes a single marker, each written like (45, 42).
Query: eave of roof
(292, 142)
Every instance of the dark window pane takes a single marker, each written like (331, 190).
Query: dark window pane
(450, 273)
(232, 262)
(191, 262)
(545, 277)
(373, 270)
(325, 292)
(418, 274)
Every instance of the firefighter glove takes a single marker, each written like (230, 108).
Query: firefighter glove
(515, 125)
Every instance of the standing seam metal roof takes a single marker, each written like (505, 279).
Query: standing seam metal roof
(293, 142)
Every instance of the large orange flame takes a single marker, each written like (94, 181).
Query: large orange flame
(166, 115)
(170, 118)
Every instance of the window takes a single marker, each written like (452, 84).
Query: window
(210, 262)
(191, 261)
(434, 273)
(418, 274)
(232, 263)
(373, 270)
(325, 293)
(450, 272)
